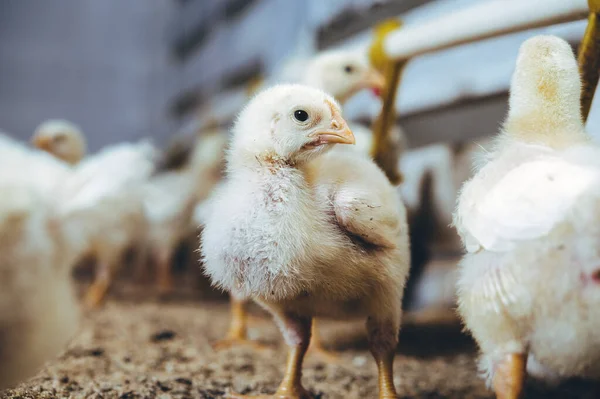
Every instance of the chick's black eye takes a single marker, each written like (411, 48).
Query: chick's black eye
(348, 69)
(301, 115)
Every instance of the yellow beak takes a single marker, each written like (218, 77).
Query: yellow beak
(42, 142)
(375, 81)
(338, 133)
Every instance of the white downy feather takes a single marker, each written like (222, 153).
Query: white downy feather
(108, 174)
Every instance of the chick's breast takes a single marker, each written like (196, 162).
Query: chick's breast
(309, 236)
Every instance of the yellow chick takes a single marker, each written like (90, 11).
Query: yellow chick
(529, 219)
(307, 232)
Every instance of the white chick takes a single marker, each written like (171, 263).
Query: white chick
(173, 201)
(307, 233)
(529, 219)
(106, 190)
(61, 138)
(340, 73)
(38, 308)
(109, 187)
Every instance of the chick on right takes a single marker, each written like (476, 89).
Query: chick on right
(529, 286)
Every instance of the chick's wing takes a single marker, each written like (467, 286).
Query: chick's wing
(526, 203)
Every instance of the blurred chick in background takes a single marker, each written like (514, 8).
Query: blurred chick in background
(530, 221)
(318, 234)
(40, 239)
(108, 188)
(62, 139)
(172, 196)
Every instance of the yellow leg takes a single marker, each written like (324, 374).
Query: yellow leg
(383, 339)
(316, 348)
(238, 328)
(385, 369)
(96, 294)
(509, 377)
(291, 385)
(163, 270)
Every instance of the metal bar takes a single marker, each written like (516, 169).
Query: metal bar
(382, 151)
(493, 18)
(589, 58)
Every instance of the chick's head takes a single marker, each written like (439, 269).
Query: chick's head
(288, 123)
(343, 73)
(60, 138)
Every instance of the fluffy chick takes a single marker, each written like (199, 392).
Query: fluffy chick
(318, 234)
(62, 139)
(106, 192)
(38, 308)
(529, 219)
(174, 199)
(342, 74)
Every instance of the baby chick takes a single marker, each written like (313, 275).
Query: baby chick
(529, 219)
(340, 73)
(38, 308)
(61, 138)
(173, 197)
(318, 233)
(106, 190)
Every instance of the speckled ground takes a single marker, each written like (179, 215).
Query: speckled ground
(152, 349)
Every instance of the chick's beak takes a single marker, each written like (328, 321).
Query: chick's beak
(338, 133)
(375, 81)
(42, 142)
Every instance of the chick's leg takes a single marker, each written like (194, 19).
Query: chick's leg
(296, 331)
(163, 270)
(238, 328)
(140, 266)
(509, 376)
(383, 339)
(316, 348)
(97, 291)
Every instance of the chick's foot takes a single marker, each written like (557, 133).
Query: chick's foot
(97, 292)
(297, 331)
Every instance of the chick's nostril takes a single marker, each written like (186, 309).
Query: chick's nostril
(335, 124)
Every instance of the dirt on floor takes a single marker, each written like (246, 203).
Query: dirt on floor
(147, 348)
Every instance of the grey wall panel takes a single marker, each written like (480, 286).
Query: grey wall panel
(102, 64)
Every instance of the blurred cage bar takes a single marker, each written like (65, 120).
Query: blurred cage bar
(124, 70)
(458, 82)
